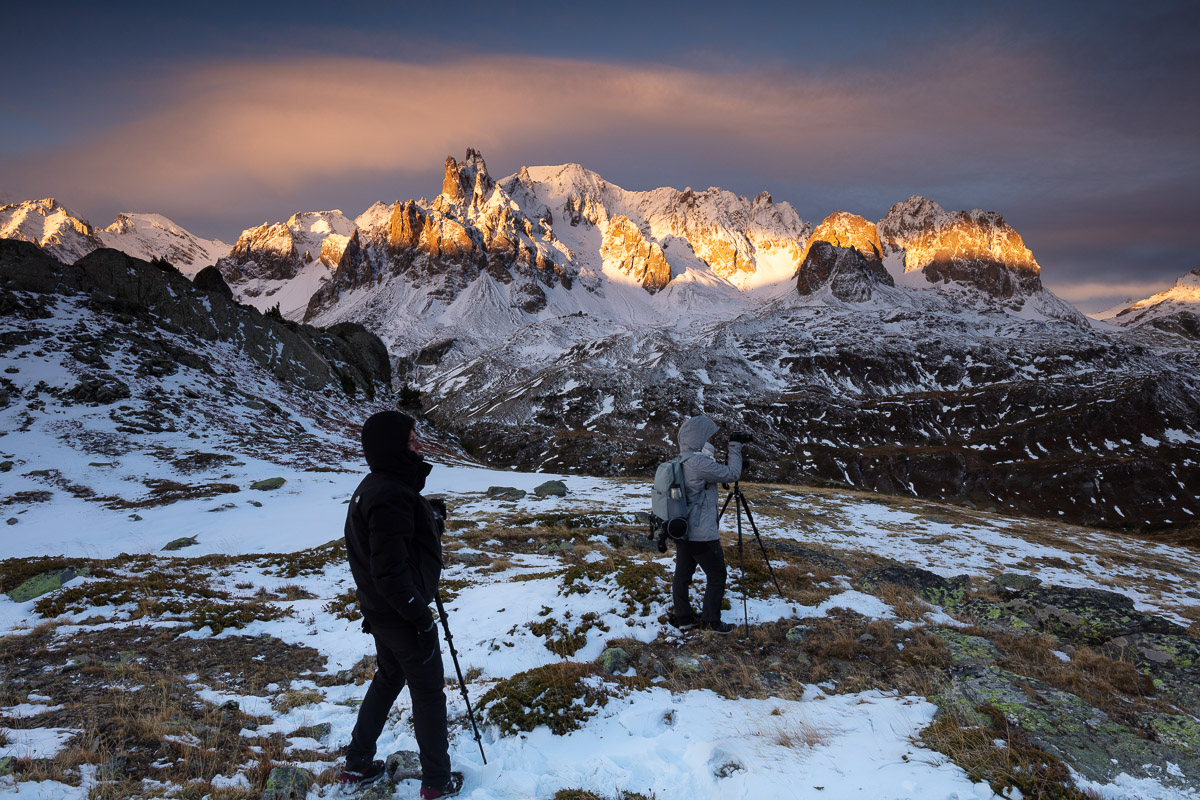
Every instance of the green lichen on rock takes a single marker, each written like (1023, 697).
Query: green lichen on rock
(965, 649)
(1175, 730)
(44, 583)
(268, 484)
(1062, 724)
(288, 783)
(613, 660)
(1082, 616)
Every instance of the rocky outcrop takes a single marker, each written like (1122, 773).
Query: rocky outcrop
(626, 249)
(311, 358)
(209, 279)
(845, 230)
(850, 276)
(467, 182)
(266, 252)
(844, 254)
(976, 248)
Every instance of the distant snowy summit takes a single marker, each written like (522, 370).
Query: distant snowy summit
(1176, 310)
(560, 240)
(69, 237)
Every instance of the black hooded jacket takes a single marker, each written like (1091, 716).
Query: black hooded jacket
(392, 538)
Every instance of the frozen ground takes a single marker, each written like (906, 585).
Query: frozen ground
(692, 744)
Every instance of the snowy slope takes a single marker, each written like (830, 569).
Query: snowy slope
(1183, 296)
(150, 236)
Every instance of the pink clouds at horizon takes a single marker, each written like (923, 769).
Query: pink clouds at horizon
(272, 126)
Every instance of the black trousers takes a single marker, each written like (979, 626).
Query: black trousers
(711, 558)
(402, 663)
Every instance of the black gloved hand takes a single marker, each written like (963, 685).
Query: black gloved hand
(744, 437)
(439, 507)
(427, 638)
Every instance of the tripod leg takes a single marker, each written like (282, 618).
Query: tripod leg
(721, 513)
(743, 504)
(741, 564)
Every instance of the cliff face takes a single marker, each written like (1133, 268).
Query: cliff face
(976, 248)
(844, 254)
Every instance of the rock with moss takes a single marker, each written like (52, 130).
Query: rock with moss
(288, 783)
(6, 765)
(551, 489)
(931, 586)
(45, 583)
(1016, 582)
(268, 484)
(507, 493)
(614, 660)
(966, 650)
(404, 765)
(687, 663)
(181, 542)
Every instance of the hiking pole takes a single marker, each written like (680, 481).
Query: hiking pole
(462, 685)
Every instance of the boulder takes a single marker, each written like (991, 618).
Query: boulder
(551, 489)
(614, 660)
(505, 493)
(45, 582)
(288, 783)
(181, 542)
(1086, 616)
(404, 765)
(268, 484)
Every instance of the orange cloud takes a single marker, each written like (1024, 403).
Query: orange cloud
(230, 129)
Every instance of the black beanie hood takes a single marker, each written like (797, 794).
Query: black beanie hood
(385, 444)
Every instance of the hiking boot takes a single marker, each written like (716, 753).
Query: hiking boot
(723, 628)
(683, 624)
(449, 790)
(363, 776)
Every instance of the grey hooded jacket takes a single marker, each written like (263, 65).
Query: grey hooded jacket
(701, 475)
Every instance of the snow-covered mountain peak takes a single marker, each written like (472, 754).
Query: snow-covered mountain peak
(1177, 309)
(150, 236)
(50, 225)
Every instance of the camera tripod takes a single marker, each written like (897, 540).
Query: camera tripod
(736, 494)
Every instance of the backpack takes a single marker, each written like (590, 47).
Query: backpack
(669, 503)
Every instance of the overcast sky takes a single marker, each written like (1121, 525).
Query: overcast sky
(1078, 122)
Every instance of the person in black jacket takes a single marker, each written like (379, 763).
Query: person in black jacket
(393, 543)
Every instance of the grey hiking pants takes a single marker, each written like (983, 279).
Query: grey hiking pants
(711, 558)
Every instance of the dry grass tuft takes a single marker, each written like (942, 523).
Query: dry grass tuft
(1014, 764)
(905, 601)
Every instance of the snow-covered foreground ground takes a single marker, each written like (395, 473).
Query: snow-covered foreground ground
(690, 744)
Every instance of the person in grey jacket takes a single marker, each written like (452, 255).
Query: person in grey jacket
(701, 474)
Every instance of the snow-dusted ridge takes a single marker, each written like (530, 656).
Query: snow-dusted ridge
(68, 236)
